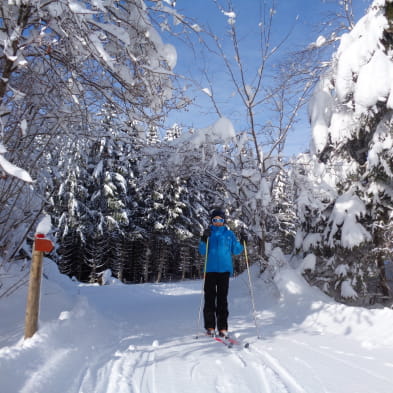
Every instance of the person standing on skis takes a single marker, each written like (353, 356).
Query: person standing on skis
(221, 244)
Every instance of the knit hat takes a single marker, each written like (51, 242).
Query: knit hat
(217, 213)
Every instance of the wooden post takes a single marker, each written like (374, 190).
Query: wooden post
(41, 245)
(33, 295)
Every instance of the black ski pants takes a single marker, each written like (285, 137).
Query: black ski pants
(215, 311)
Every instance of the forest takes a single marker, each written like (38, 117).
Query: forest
(87, 88)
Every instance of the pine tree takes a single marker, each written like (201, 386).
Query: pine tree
(346, 195)
(282, 212)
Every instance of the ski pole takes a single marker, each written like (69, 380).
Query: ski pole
(251, 290)
(203, 284)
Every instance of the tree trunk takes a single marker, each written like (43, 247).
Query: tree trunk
(382, 278)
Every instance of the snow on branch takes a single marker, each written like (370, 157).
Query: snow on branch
(221, 132)
(12, 169)
(347, 209)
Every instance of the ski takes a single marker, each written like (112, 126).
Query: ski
(233, 341)
(218, 339)
(223, 340)
(227, 341)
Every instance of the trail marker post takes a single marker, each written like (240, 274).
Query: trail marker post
(41, 245)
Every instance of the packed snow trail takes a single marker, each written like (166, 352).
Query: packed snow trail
(141, 339)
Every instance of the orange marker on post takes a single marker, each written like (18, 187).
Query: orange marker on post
(42, 244)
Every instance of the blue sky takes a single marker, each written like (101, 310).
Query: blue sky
(298, 18)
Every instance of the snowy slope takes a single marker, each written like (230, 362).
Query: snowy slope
(141, 339)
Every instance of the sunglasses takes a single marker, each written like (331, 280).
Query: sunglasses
(218, 220)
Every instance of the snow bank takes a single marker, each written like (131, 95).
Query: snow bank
(126, 338)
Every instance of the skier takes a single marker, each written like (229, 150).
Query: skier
(221, 243)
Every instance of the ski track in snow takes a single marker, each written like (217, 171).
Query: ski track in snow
(128, 371)
(281, 373)
(169, 364)
(143, 369)
(337, 357)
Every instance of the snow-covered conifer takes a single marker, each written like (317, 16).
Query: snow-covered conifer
(346, 196)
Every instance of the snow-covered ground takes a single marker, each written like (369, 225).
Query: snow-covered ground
(141, 339)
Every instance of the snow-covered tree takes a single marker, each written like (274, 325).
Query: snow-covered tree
(60, 63)
(346, 196)
(282, 218)
(138, 219)
(173, 133)
(256, 86)
(68, 207)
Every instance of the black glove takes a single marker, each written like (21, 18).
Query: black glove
(243, 237)
(206, 234)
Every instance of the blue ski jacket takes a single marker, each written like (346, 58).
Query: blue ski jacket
(222, 245)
